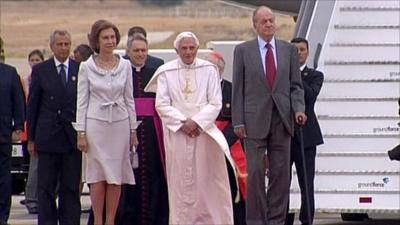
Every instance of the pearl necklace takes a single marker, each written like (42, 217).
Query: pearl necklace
(106, 65)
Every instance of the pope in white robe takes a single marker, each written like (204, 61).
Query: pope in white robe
(188, 95)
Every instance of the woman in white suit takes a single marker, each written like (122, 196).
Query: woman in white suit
(106, 120)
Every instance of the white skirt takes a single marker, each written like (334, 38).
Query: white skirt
(107, 158)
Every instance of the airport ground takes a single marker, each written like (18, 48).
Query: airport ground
(20, 216)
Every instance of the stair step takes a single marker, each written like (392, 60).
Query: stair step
(352, 143)
(349, 153)
(357, 99)
(360, 126)
(338, 62)
(362, 90)
(362, 80)
(368, 19)
(357, 162)
(361, 8)
(350, 108)
(347, 44)
(354, 27)
(354, 182)
(357, 117)
(348, 71)
(354, 172)
(369, 3)
(360, 55)
(364, 35)
(359, 134)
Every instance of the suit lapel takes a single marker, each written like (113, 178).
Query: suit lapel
(54, 74)
(279, 55)
(306, 74)
(72, 78)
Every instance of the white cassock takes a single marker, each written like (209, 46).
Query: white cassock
(197, 177)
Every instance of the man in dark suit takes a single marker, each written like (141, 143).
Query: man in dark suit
(11, 120)
(312, 136)
(51, 111)
(267, 96)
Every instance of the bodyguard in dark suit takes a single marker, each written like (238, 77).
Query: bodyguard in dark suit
(51, 111)
(267, 97)
(11, 120)
(312, 136)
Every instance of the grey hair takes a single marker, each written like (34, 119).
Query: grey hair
(59, 32)
(183, 35)
(135, 37)
(258, 9)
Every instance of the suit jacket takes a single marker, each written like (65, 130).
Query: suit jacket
(154, 62)
(226, 112)
(52, 107)
(151, 61)
(312, 83)
(253, 99)
(105, 97)
(11, 103)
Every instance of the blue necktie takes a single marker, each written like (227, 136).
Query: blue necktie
(63, 75)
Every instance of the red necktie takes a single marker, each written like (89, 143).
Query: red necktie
(270, 65)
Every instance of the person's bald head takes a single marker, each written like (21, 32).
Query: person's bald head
(264, 22)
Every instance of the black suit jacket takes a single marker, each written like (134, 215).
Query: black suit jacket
(226, 112)
(312, 83)
(154, 62)
(11, 103)
(52, 107)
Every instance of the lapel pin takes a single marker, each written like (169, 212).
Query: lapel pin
(73, 78)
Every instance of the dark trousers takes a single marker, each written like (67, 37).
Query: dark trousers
(5, 181)
(64, 168)
(268, 207)
(310, 172)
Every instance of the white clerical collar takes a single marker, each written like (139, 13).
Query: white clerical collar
(302, 67)
(137, 68)
(186, 66)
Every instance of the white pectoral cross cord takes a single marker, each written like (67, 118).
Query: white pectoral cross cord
(189, 80)
(187, 91)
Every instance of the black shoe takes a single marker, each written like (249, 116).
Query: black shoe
(22, 202)
(3, 223)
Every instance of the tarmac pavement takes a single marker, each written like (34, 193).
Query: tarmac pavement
(19, 216)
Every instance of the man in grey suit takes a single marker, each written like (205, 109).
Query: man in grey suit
(267, 96)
